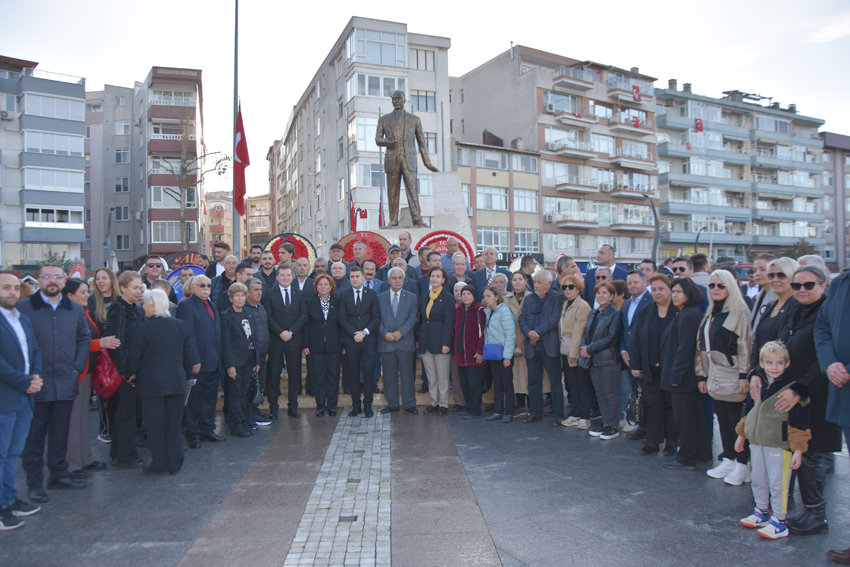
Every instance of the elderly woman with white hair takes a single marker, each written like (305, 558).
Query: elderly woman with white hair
(160, 362)
(723, 347)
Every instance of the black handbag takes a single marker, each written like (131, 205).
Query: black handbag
(634, 412)
(257, 396)
(584, 362)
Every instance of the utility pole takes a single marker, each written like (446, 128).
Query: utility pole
(237, 249)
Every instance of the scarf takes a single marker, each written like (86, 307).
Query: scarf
(432, 295)
(326, 306)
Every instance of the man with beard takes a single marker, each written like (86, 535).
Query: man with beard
(267, 272)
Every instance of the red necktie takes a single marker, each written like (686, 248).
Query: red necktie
(489, 277)
(209, 310)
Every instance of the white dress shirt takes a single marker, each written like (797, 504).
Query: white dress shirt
(284, 291)
(14, 319)
(50, 302)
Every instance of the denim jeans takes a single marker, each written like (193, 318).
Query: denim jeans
(14, 427)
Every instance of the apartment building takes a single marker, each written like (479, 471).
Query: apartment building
(740, 172)
(220, 214)
(328, 146)
(593, 126)
(255, 222)
(42, 163)
(836, 198)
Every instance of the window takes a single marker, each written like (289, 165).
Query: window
(463, 156)
(94, 106)
(169, 197)
(461, 96)
(87, 188)
(368, 175)
(494, 198)
(491, 160)
(422, 101)
(122, 127)
(828, 202)
(559, 171)
(88, 160)
(122, 156)
(122, 241)
(318, 126)
(450, 96)
(462, 125)
(379, 48)
(847, 204)
(166, 166)
(12, 103)
(607, 212)
(362, 131)
(340, 150)
(122, 184)
(167, 130)
(431, 141)
(525, 163)
(561, 242)
(526, 241)
(120, 101)
(53, 180)
(174, 98)
(493, 236)
(465, 187)
(87, 215)
(339, 109)
(846, 160)
(567, 103)
(846, 180)
(88, 132)
(773, 125)
(603, 177)
(525, 201)
(58, 144)
(361, 84)
(635, 149)
(169, 231)
(53, 107)
(600, 110)
(826, 156)
(122, 213)
(49, 217)
(424, 182)
(603, 144)
(318, 162)
(424, 59)
(340, 186)
(636, 245)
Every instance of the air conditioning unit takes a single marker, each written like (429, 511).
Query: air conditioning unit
(550, 108)
(548, 217)
(5, 115)
(139, 215)
(469, 211)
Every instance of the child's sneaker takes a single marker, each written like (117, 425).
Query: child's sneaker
(756, 520)
(775, 529)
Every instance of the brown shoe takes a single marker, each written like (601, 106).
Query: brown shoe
(431, 409)
(444, 411)
(531, 419)
(839, 556)
(636, 435)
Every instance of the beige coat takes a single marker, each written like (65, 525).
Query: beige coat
(572, 323)
(722, 383)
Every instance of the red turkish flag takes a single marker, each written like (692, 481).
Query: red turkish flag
(688, 145)
(698, 124)
(240, 162)
(635, 122)
(364, 213)
(636, 92)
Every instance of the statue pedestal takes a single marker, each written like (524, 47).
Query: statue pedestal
(449, 211)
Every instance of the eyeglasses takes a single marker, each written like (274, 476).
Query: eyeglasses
(568, 286)
(153, 265)
(774, 275)
(716, 285)
(601, 278)
(202, 285)
(49, 277)
(682, 269)
(808, 285)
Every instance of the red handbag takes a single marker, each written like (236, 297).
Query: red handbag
(105, 379)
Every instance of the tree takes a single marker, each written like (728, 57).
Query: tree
(801, 248)
(56, 258)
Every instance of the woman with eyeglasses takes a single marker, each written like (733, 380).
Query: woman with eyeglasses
(724, 341)
(104, 291)
(780, 274)
(574, 315)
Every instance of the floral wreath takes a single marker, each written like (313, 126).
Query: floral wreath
(438, 235)
(376, 246)
(303, 247)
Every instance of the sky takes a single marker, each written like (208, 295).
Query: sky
(793, 51)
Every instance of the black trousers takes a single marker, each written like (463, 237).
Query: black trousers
(579, 387)
(694, 442)
(552, 365)
(356, 354)
(123, 446)
(472, 384)
(50, 422)
(250, 408)
(235, 392)
(325, 369)
(277, 354)
(658, 417)
(163, 419)
(503, 386)
(200, 411)
(106, 410)
(346, 373)
(728, 416)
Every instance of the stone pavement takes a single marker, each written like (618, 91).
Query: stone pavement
(432, 491)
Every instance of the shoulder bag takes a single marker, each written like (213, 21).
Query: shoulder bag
(494, 351)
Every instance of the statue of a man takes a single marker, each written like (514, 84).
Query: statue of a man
(399, 131)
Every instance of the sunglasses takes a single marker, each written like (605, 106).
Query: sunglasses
(601, 278)
(680, 269)
(49, 277)
(568, 286)
(153, 265)
(202, 285)
(808, 285)
(716, 285)
(774, 275)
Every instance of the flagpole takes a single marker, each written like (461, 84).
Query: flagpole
(381, 194)
(237, 248)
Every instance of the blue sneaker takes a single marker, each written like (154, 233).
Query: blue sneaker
(775, 529)
(756, 520)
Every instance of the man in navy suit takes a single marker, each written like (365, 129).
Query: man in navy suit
(359, 316)
(203, 322)
(484, 277)
(20, 369)
(604, 258)
(370, 280)
(640, 298)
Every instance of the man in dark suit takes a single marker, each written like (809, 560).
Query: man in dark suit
(538, 322)
(604, 258)
(285, 307)
(267, 272)
(410, 284)
(396, 346)
(424, 283)
(20, 369)
(220, 251)
(203, 322)
(640, 298)
(359, 316)
(303, 281)
(484, 277)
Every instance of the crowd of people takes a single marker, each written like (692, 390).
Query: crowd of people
(653, 352)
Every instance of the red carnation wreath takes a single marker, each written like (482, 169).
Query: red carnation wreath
(303, 247)
(439, 237)
(376, 246)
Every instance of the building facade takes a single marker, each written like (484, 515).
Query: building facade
(328, 147)
(42, 163)
(256, 222)
(593, 126)
(836, 198)
(219, 207)
(742, 176)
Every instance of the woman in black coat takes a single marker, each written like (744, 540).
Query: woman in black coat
(678, 376)
(434, 338)
(321, 342)
(160, 360)
(240, 357)
(122, 319)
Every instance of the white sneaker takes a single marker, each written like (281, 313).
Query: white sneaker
(628, 428)
(774, 530)
(583, 424)
(739, 475)
(570, 421)
(721, 470)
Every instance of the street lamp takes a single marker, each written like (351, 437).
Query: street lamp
(657, 227)
(696, 242)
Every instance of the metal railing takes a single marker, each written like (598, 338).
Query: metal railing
(692, 202)
(647, 188)
(566, 143)
(630, 153)
(170, 137)
(160, 102)
(574, 180)
(51, 76)
(574, 73)
(791, 156)
(626, 84)
(627, 120)
(577, 216)
(789, 182)
(633, 220)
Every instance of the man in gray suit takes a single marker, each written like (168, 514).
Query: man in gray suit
(396, 346)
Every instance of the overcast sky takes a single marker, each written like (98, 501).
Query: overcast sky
(793, 51)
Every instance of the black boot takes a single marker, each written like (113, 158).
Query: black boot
(812, 477)
(813, 523)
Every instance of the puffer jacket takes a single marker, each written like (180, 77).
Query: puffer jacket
(573, 321)
(64, 339)
(724, 357)
(603, 345)
(473, 334)
(501, 329)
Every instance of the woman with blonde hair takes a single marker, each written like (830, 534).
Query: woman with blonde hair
(573, 320)
(104, 290)
(723, 353)
(780, 274)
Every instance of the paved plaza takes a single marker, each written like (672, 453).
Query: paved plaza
(407, 490)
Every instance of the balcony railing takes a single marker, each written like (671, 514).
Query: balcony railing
(51, 76)
(574, 73)
(631, 154)
(626, 84)
(170, 137)
(788, 181)
(704, 204)
(574, 180)
(161, 102)
(566, 143)
(647, 188)
(633, 220)
(790, 156)
(627, 120)
(577, 216)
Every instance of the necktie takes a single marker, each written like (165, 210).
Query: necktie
(209, 310)
(395, 304)
(489, 277)
(357, 299)
(286, 297)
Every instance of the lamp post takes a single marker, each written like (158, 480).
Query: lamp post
(696, 242)
(657, 227)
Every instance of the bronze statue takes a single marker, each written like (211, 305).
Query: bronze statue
(399, 131)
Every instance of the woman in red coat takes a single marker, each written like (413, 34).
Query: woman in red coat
(469, 349)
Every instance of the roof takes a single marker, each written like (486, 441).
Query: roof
(22, 63)
(743, 106)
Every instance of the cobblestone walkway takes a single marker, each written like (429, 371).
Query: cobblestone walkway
(347, 518)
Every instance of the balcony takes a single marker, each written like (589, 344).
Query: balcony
(51, 76)
(689, 180)
(726, 153)
(572, 148)
(776, 213)
(670, 122)
(576, 219)
(679, 206)
(770, 159)
(770, 236)
(633, 159)
(581, 117)
(770, 185)
(632, 223)
(636, 191)
(572, 78)
(627, 89)
(688, 237)
(576, 184)
(791, 139)
(170, 143)
(216, 228)
(624, 123)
